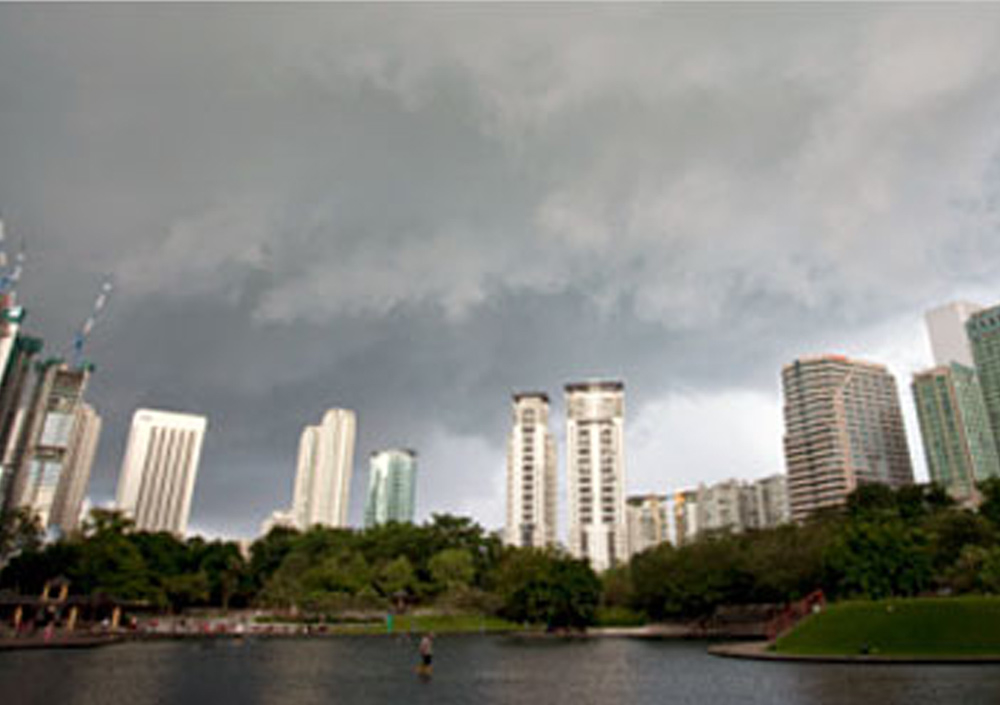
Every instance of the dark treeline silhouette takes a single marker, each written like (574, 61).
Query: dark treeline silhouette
(883, 543)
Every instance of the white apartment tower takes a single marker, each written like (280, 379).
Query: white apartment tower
(648, 521)
(158, 473)
(595, 459)
(323, 477)
(946, 330)
(531, 474)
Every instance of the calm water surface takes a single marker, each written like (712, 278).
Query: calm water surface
(469, 669)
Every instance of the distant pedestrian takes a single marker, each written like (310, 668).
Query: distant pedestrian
(426, 655)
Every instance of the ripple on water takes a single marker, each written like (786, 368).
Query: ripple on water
(468, 669)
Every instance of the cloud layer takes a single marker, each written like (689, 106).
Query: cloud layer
(413, 211)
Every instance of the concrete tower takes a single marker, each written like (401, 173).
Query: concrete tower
(648, 521)
(53, 447)
(843, 427)
(595, 459)
(531, 474)
(947, 334)
(323, 477)
(159, 470)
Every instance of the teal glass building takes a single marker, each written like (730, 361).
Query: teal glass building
(983, 329)
(958, 439)
(392, 485)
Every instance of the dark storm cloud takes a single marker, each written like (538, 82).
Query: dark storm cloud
(412, 211)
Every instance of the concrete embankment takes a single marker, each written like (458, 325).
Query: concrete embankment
(760, 651)
(59, 642)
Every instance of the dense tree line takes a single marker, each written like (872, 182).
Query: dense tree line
(449, 562)
(882, 543)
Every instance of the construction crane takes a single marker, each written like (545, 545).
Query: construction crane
(9, 275)
(80, 339)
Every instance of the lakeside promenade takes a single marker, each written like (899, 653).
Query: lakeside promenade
(761, 651)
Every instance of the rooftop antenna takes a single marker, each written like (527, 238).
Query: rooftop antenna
(80, 339)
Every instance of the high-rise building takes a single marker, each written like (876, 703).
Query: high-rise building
(648, 521)
(16, 381)
(72, 489)
(685, 516)
(843, 427)
(724, 506)
(958, 441)
(946, 330)
(323, 477)
(770, 502)
(52, 450)
(392, 486)
(983, 328)
(531, 474)
(158, 473)
(731, 506)
(595, 459)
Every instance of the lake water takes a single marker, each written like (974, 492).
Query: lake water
(481, 670)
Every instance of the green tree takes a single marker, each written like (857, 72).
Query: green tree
(345, 572)
(186, 590)
(110, 564)
(545, 588)
(395, 576)
(267, 553)
(20, 531)
(879, 559)
(990, 506)
(452, 568)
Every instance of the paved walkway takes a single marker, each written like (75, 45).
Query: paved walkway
(758, 650)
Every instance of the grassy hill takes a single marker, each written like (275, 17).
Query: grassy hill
(954, 626)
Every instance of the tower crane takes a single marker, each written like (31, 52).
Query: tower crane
(10, 275)
(80, 339)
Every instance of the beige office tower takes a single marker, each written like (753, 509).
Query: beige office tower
(648, 522)
(55, 437)
(531, 474)
(159, 470)
(595, 459)
(843, 428)
(323, 477)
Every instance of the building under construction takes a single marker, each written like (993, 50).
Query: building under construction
(48, 433)
(54, 441)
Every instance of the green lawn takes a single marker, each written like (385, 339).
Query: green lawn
(453, 624)
(945, 626)
(439, 624)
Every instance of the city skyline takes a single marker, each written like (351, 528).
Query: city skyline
(403, 226)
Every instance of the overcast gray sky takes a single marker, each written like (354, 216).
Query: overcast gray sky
(414, 210)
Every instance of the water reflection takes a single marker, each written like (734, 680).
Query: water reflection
(478, 670)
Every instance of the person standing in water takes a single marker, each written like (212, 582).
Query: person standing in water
(426, 655)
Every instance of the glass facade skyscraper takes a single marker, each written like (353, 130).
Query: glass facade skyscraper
(958, 440)
(984, 334)
(392, 485)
